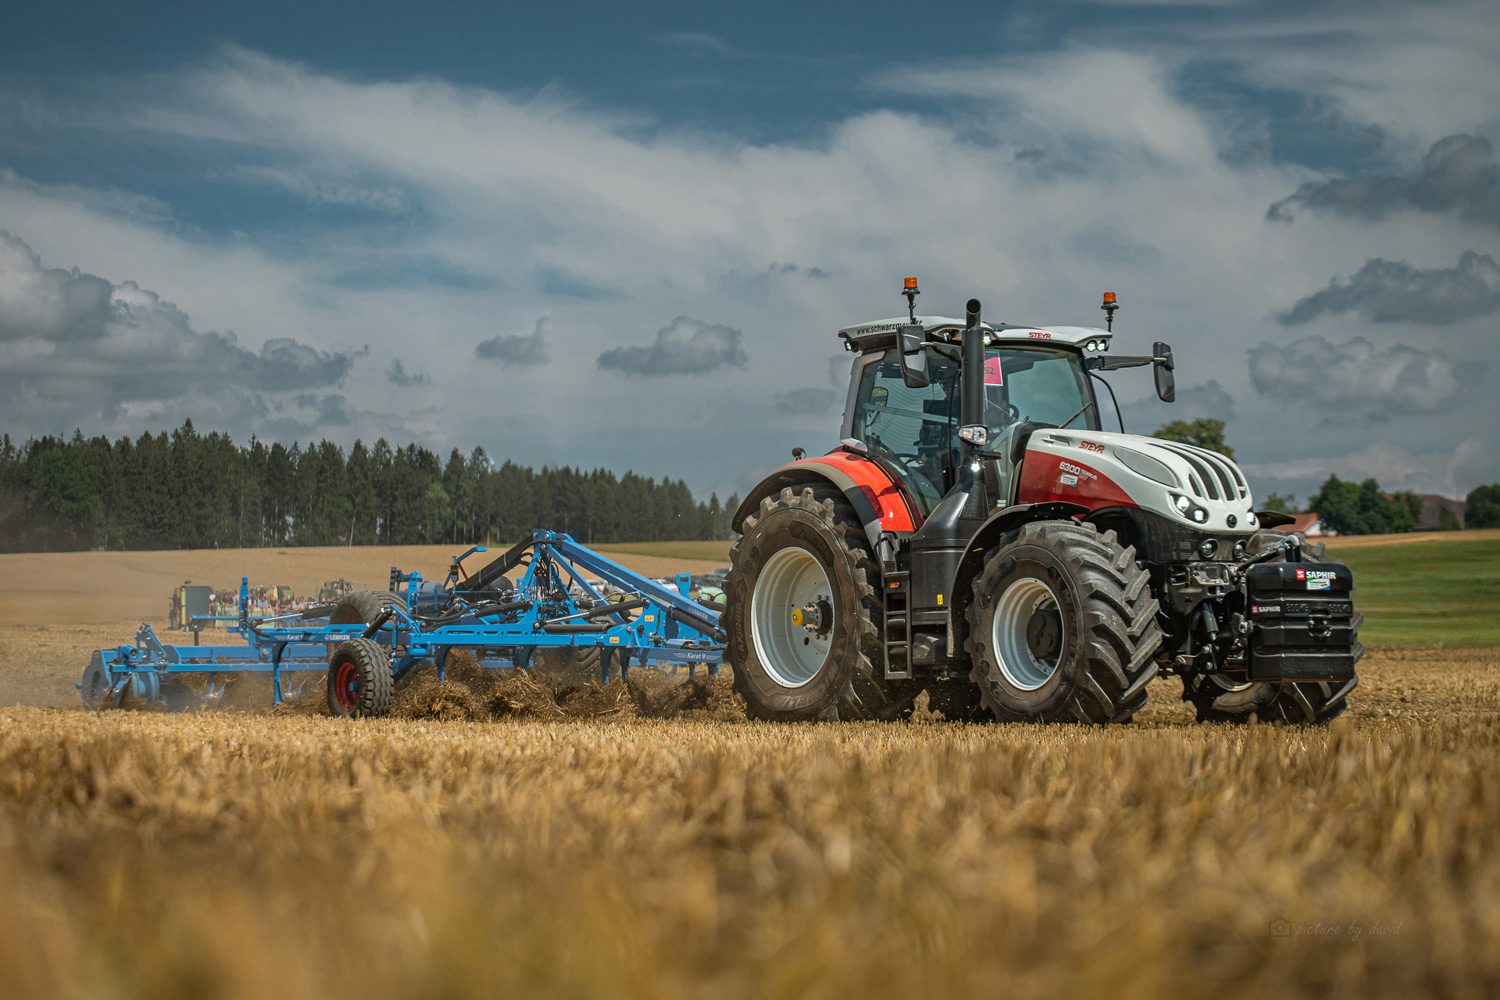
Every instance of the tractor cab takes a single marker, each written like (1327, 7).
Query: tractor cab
(1028, 384)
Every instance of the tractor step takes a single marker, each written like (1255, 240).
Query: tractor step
(897, 640)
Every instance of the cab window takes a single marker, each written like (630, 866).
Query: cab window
(912, 430)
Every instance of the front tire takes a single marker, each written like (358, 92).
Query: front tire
(1062, 627)
(802, 614)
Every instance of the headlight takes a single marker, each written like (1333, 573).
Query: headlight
(1208, 547)
(1239, 548)
(1188, 509)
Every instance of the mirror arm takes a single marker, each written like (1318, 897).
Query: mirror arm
(1116, 363)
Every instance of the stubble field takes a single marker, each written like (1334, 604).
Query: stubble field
(247, 855)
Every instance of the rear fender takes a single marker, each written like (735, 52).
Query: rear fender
(876, 498)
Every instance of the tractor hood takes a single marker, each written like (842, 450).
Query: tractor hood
(1193, 486)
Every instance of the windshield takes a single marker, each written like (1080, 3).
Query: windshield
(916, 430)
(1043, 385)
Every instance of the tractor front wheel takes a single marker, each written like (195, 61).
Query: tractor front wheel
(1062, 627)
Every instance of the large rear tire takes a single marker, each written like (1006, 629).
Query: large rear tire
(1062, 627)
(803, 616)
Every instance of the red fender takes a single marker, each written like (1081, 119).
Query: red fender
(876, 498)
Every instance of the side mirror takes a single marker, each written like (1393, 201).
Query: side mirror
(1166, 382)
(909, 340)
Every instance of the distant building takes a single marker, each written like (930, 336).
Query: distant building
(1310, 524)
(1440, 513)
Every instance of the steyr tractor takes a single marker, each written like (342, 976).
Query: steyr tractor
(977, 535)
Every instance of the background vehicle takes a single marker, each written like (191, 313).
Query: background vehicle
(978, 535)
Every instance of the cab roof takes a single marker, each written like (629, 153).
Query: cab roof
(880, 334)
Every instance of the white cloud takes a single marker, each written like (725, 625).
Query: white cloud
(388, 199)
(77, 349)
(1355, 377)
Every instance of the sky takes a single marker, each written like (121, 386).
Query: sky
(626, 235)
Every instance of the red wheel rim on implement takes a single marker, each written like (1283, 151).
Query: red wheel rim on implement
(346, 687)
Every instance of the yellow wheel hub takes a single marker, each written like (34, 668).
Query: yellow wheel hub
(797, 616)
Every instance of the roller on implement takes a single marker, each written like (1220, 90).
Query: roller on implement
(366, 640)
(977, 535)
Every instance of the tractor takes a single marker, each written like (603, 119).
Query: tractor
(977, 535)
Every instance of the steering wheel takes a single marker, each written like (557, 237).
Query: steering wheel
(1009, 411)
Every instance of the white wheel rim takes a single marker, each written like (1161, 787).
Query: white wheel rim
(792, 581)
(1229, 685)
(1015, 634)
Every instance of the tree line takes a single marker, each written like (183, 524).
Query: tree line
(1364, 509)
(184, 490)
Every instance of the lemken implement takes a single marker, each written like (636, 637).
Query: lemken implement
(367, 639)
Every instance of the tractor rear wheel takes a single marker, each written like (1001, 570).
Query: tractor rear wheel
(1062, 627)
(803, 615)
(360, 680)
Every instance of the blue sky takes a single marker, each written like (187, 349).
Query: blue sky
(516, 226)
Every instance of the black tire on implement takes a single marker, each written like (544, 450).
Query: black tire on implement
(1295, 702)
(1102, 614)
(360, 680)
(361, 607)
(95, 688)
(820, 522)
(572, 665)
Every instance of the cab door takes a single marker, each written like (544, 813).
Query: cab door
(912, 432)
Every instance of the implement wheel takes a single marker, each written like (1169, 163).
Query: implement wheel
(363, 606)
(802, 615)
(95, 686)
(1062, 627)
(360, 681)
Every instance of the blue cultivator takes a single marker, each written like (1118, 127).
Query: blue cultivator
(367, 640)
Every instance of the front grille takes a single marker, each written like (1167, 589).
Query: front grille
(1220, 479)
(1206, 481)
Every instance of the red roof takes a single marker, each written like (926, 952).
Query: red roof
(1301, 522)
